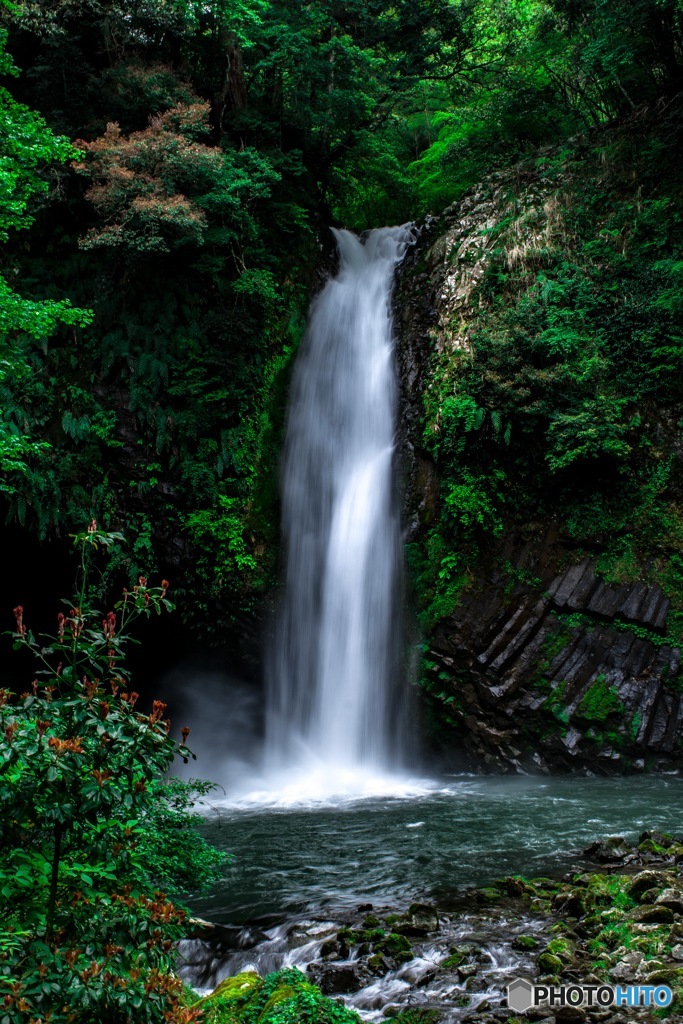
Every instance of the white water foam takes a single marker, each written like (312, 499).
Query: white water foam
(326, 787)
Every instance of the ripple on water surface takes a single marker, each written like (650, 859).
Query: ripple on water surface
(416, 839)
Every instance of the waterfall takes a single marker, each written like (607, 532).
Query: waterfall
(333, 673)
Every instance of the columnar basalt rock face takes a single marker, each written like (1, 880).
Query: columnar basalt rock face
(566, 671)
(599, 701)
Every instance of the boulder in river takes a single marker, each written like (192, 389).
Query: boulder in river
(336, 979)
(613, 849)
(419, 919)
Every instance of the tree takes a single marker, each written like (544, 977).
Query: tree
(89, 826)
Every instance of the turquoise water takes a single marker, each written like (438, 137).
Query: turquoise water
(464, 832)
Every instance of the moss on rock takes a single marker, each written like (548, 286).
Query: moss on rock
(284, 997)
(396, 946)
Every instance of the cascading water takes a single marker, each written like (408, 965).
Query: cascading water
(334, 667)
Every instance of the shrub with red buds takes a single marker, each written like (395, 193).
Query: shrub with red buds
(19, 618)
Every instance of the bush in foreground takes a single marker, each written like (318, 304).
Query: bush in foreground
(87, 935)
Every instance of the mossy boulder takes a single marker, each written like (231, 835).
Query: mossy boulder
(231, 998)
(284, 997)
(652, 913)
(644, 881)
(379, 964)
(661, 839)
(669, 975)
(652, 848)
(487, 894)
(396, 946)
(522, 942)
(454, 960)
(514, 885)
(548, 963)
(562, 948)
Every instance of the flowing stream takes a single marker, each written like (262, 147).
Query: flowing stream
(300, 872)
(334, 719)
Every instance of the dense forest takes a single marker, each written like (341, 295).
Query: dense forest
(169, 172)
(170, 176)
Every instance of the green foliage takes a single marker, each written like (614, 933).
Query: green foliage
(468, 503)
(555, 703)
(216, 143)
(599, 701)
(285, 997)
(571, 351)
(90, 829)
(28, 148)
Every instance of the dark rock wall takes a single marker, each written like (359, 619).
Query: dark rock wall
(567, 673)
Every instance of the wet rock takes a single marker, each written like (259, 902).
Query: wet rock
(671, 898)
(652, 913)
(380, 965)
(661, 839)
(548, 963)
(622, 972)
(569, 1015)
(608, 850)
(395, 946)
(487, 895)
(467, 971)
(426, 979)
(570, 904)
(626, 968)
(419, 919)
(677, 952)
(645, 880)
(337, 979)
(665, 976)
(563, 948)
(522, 942)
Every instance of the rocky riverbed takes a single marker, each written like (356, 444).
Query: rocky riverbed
(617, 918)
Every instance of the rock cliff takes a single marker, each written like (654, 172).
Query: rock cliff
(542, 663)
